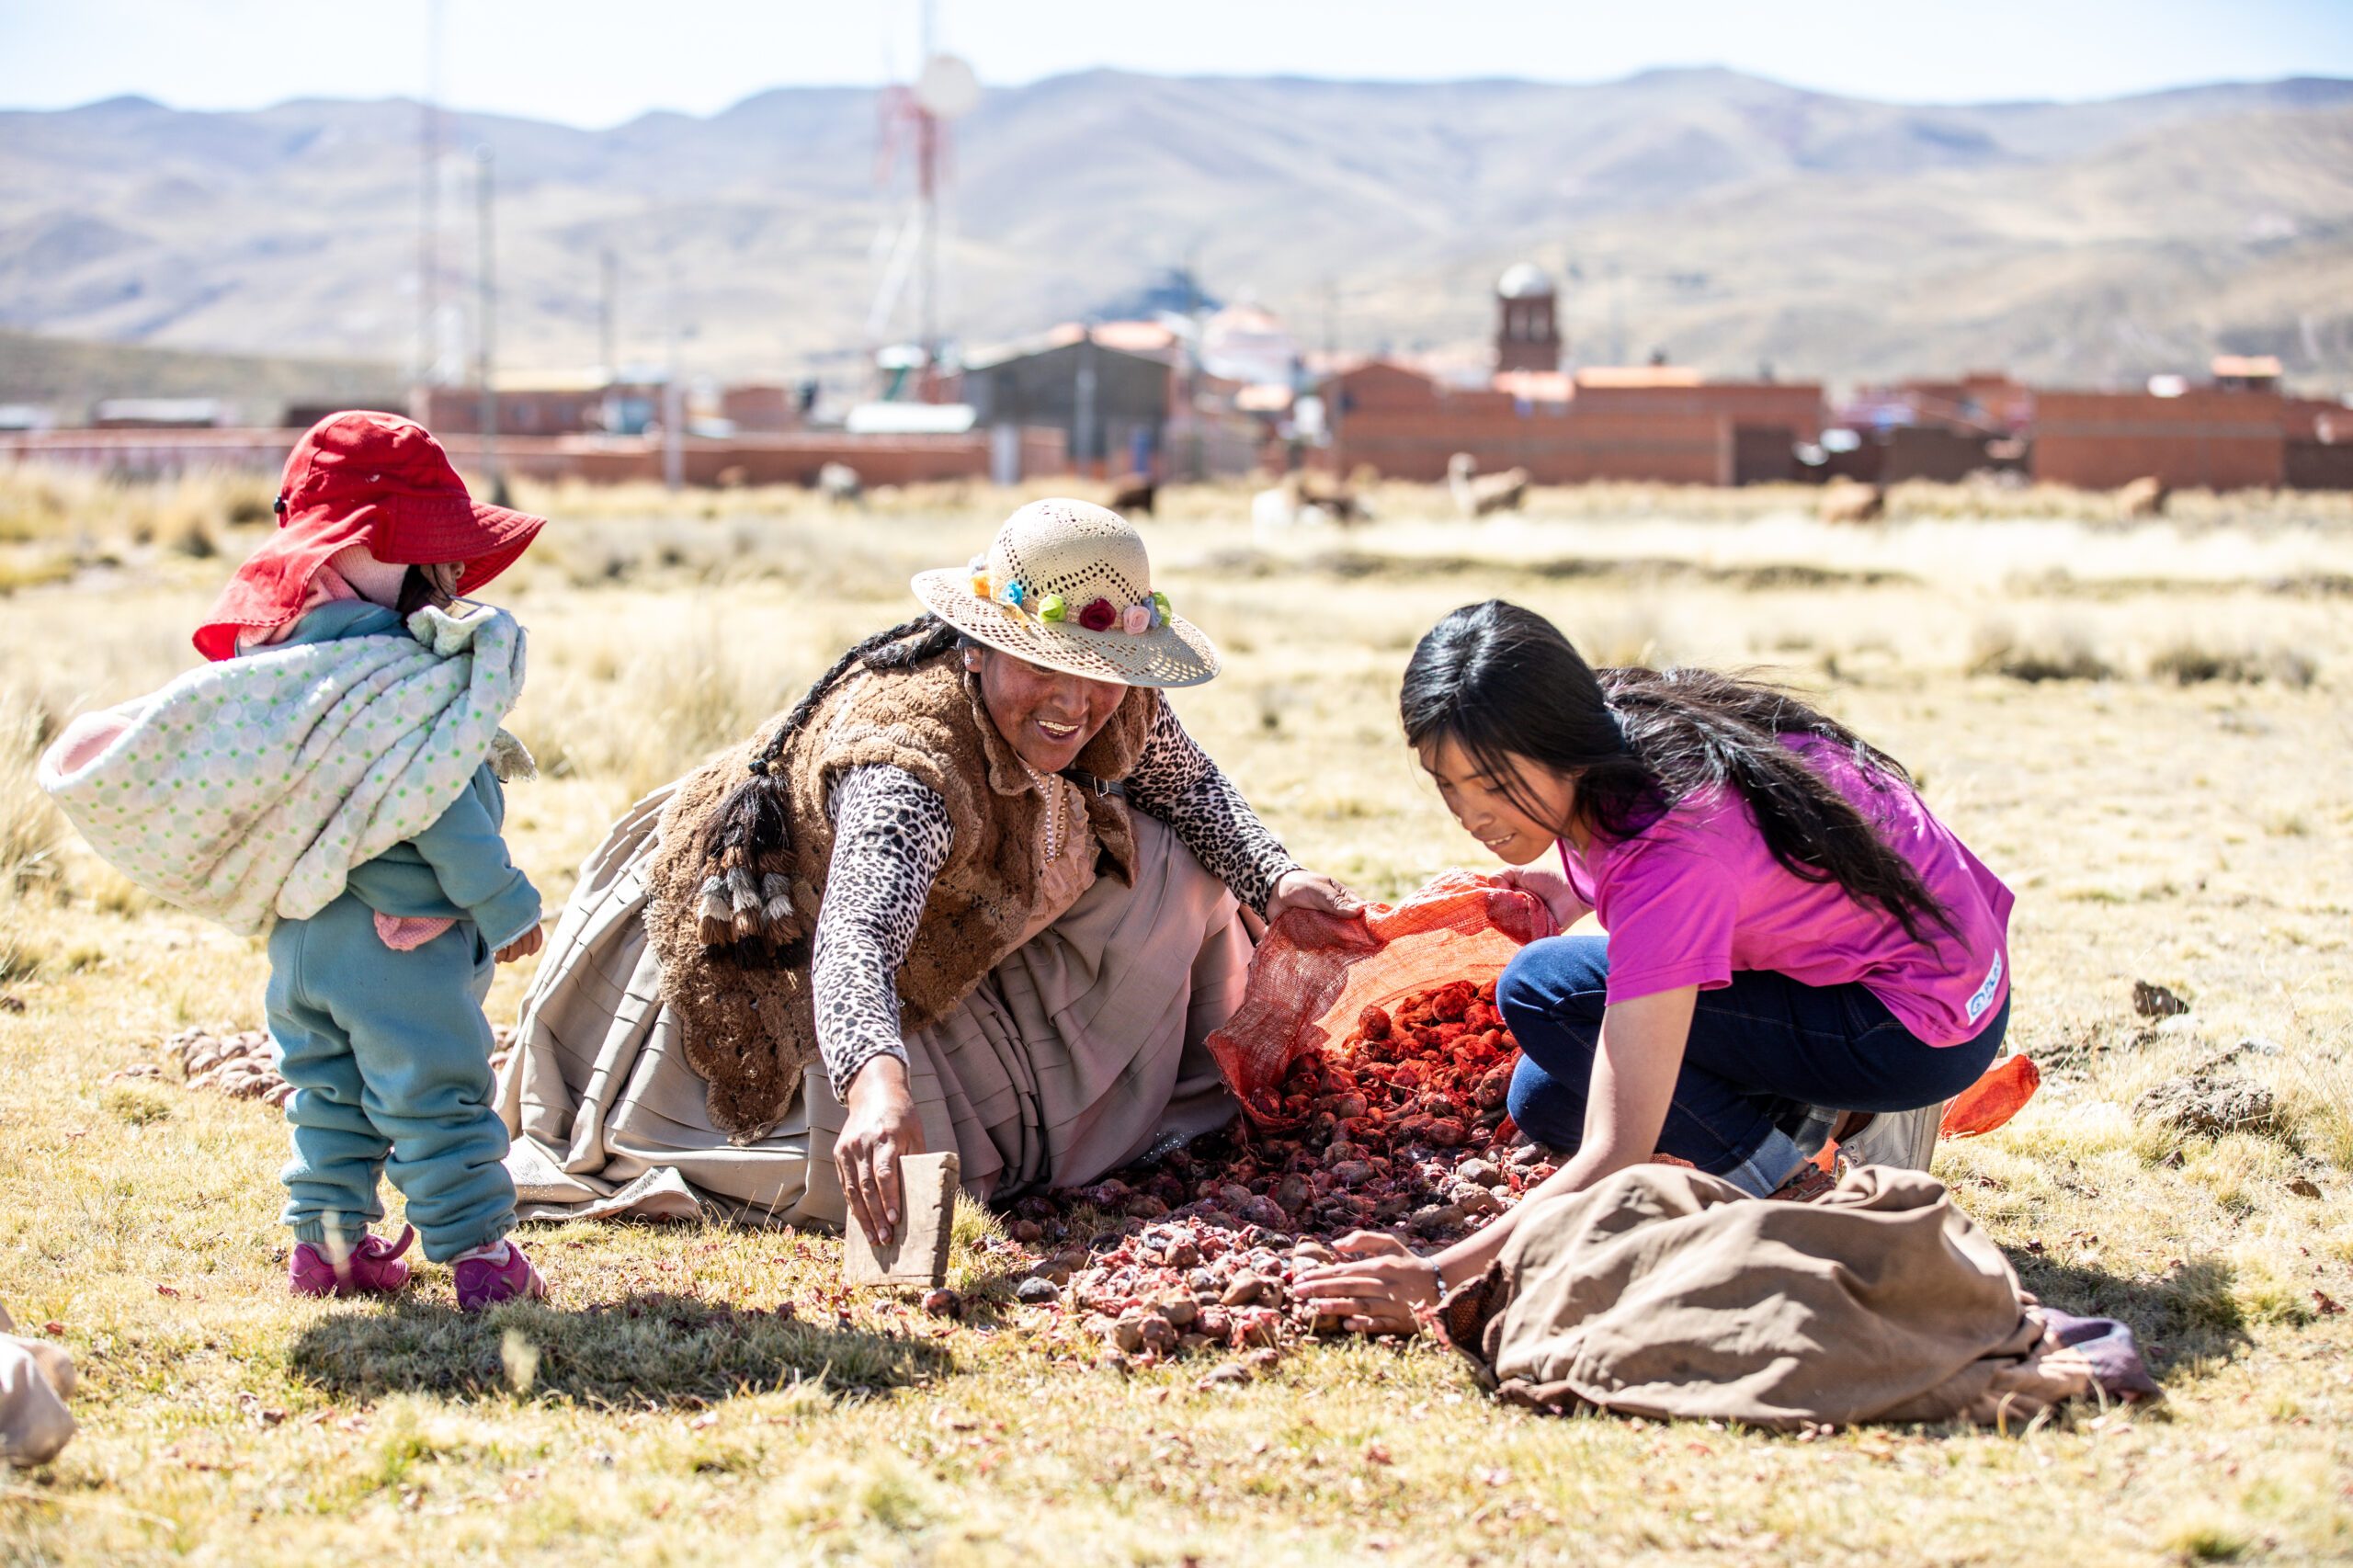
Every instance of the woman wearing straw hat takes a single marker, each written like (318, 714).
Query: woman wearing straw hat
(977, 889)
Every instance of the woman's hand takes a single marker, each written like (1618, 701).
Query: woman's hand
(522, 947)
(881, 1126)
(1549, 886)
(1301, 889)
(1375, 1286)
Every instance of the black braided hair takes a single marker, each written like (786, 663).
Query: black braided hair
(746, 895)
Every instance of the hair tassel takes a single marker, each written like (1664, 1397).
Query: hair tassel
(714, 913)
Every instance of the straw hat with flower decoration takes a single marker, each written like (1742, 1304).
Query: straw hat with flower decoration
(1066, 584)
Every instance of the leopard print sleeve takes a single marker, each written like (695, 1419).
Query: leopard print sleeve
(891, 836)
(1175, 780)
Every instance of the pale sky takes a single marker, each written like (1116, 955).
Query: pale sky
(596, 62)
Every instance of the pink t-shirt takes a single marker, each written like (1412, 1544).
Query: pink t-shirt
(1697, 896)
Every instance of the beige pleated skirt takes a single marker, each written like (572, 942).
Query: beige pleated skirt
(1078, 1053)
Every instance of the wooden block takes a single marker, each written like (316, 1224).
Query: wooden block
(917, 1251)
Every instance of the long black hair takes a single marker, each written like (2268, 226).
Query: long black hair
(746, 893)
(1504, 684)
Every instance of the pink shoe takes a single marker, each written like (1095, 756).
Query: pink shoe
(483, 1283)
(373, 1267)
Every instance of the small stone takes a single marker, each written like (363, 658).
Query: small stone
(1126, 1332)
(1242, 1291)
(1482, 1172)
(2304, 1187)
(1433, 1218)
(1263, 1212)
(1178, 1308)
(1472, 1199)
(943, 1303)
(2156, 1002)
(1036, 1291)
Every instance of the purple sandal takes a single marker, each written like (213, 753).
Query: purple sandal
(373, 1267)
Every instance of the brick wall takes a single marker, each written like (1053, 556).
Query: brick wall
(2201, 439)
(1795, 406)
(1555, 448)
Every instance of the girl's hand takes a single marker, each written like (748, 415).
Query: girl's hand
(1376, 1288)
(522, 947)
(1549, 886)
(881, 1126)
(1300, 888)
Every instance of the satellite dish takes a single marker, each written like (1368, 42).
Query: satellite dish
(947, 89)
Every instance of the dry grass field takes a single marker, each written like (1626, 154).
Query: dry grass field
(2144, 728)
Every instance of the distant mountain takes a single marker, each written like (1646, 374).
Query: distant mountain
(1728, 219)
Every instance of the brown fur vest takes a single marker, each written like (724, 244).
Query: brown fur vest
(750, 1032)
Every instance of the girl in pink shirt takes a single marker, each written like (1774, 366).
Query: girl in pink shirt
(1797, 948)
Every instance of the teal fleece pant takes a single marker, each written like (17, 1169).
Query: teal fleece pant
(389, 1054)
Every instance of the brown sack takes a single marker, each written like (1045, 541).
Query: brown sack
(1666, 1293)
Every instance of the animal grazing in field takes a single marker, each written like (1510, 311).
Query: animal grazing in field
(1337, 498)
(2144, 497)
(1852, 500)
(1303, 500)
(1134, 493)
(840, 484)
(1476, 494)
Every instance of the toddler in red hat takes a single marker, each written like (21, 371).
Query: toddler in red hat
(333, 777)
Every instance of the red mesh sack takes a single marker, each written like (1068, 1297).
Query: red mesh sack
(1315, 973)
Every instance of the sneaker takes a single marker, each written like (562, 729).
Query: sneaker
(483, 1283)
(373, 1267)
(1904, 1138)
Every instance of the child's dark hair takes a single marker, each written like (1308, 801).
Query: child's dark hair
(1502, 681)
(746, 893)
(418, 588)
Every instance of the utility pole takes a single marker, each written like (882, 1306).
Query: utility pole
(1333, 394)
(429, 222)
(608, 315)
(1195, 468)
(1083, 435)
(928, 174)
(674, 398)
(486, 345)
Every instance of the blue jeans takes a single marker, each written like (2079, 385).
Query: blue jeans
(1763, 1052)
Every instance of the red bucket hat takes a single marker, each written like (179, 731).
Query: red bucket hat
(371, 479)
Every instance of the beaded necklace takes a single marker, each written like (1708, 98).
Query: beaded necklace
(1048, 786)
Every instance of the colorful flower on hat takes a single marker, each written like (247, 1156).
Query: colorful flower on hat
(1053, 608)
(1160, 610)
(1099, 615)
(1015, 593)
(1136, 620)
